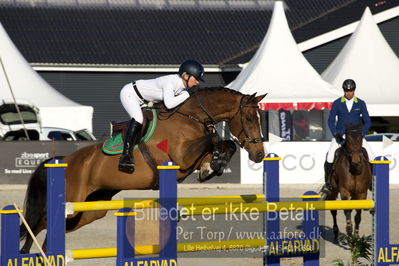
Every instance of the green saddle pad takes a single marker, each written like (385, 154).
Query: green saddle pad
(114, 145)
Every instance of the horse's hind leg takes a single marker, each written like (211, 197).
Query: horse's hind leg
(29, 240)
(82, 219)
(335, 225)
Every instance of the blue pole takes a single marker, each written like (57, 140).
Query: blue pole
(55, 206)
(168, 212)
(9, 251)
(125, 235)
(311, 230)
(381, 215)
(271, 189)
(167, 228)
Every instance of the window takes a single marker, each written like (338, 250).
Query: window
(20, 135)
(83, 135)
(10, 116)
(58, 135)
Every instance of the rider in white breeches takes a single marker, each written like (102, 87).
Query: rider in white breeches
(334, 146)
(171, 89)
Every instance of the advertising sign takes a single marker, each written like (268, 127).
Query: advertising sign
(19, 159)
(303, 162)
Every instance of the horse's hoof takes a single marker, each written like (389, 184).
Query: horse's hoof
(325, 192)
(216, 165)
(203, 176)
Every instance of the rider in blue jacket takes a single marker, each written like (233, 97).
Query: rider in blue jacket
(345, 110)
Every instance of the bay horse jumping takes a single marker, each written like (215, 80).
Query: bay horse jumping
(352, 176)
(91, 175)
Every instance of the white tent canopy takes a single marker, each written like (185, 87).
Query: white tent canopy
(17, 75)
(369, 60)
(280, 69)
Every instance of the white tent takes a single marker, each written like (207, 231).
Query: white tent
(280, 69)
(369, 60)
(17, 75)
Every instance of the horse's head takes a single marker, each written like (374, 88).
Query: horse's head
(353, 147)
(245, 126)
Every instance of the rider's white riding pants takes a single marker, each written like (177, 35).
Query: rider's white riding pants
(334, 146)
(131, 102)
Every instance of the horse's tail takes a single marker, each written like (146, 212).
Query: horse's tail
(35, 205)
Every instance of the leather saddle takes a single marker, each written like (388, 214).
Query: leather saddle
(121, 126)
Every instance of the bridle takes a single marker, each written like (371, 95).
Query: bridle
(244, 129)
(210, 123)
(349, 152)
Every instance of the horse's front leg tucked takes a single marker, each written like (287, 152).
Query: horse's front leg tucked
(206, 172)
(223, 151)
(214, 165)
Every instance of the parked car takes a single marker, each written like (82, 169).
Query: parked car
(50, 133)
(11, 127)
(10, 119)
(378, 136)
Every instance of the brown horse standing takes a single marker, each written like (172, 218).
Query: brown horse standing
(351, 176)
(92, 175)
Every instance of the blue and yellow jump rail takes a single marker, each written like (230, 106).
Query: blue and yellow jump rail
(10, 222)
(126, 254)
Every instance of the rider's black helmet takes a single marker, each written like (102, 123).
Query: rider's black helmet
(193, 68)
(349, 85)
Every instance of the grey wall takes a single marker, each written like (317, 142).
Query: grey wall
(101, 90)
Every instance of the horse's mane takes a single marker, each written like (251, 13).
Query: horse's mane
(221, 89)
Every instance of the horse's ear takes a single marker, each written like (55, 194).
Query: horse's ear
(260, 97)
(251, 98)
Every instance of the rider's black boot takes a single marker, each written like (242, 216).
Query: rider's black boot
(126, 161)
(327, 188)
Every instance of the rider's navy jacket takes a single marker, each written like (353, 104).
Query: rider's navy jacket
(355, 116)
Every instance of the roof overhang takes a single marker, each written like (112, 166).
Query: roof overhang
(115, 68)
(345, 30)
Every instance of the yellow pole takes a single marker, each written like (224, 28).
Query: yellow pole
(152, 203)
(181, 247)
(276, 206)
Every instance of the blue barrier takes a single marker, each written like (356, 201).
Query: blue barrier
(10, 231)
(275, 250)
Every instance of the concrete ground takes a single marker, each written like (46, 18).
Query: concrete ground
(101, 233)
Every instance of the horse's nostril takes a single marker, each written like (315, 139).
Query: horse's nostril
(260, 155)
